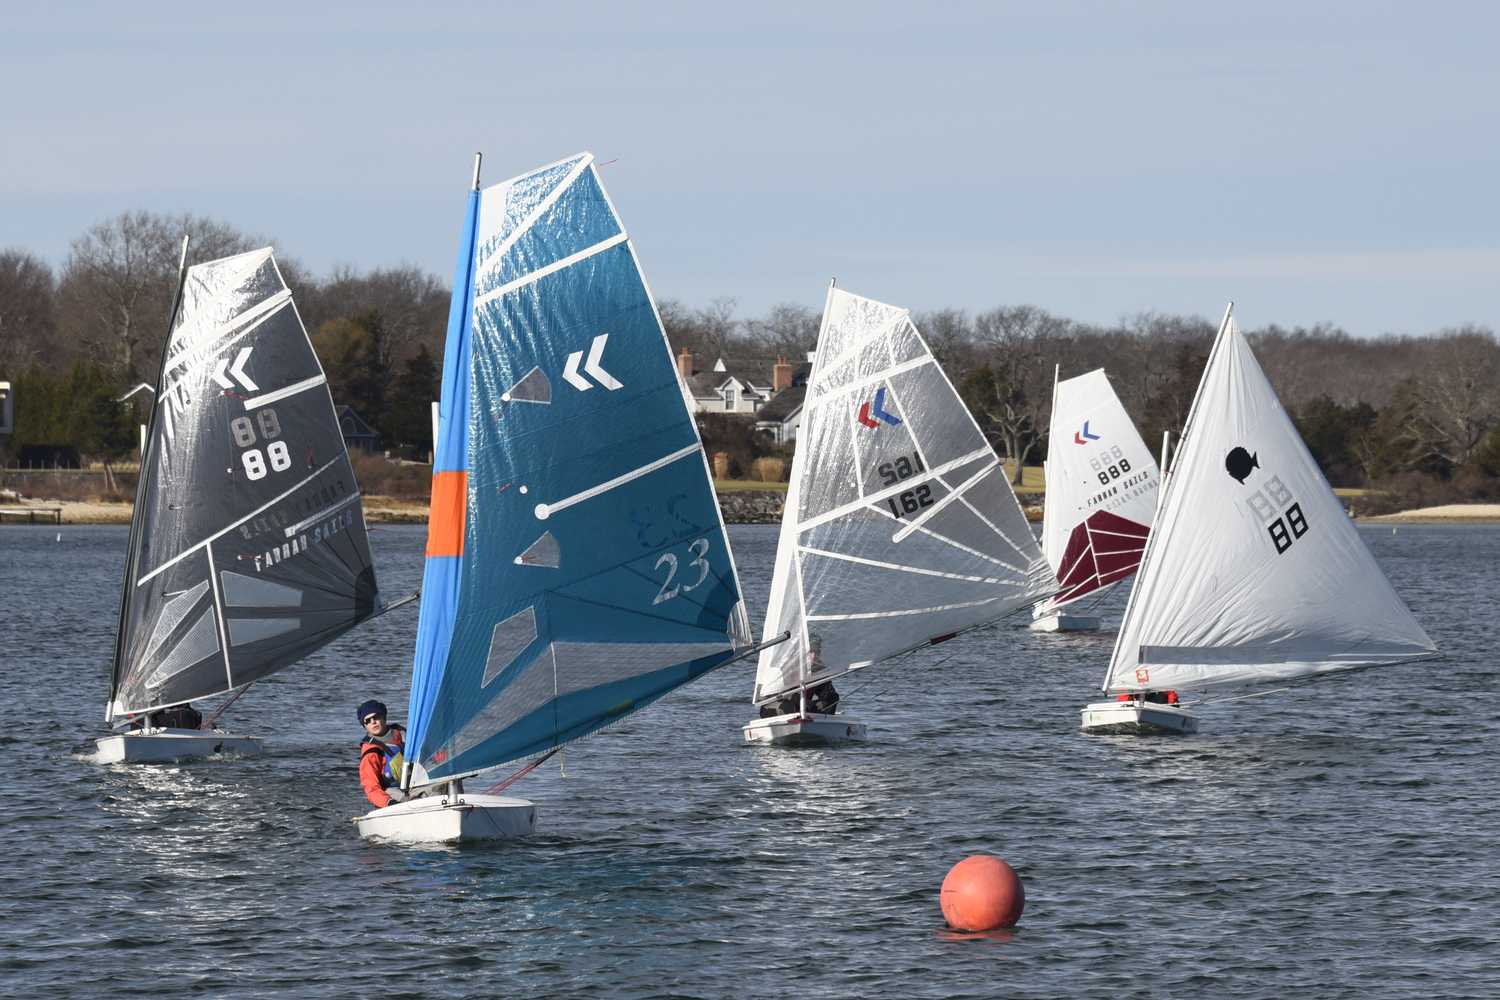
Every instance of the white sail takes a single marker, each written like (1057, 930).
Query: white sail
(1101, 489)
(1254, 571)
(900, 527)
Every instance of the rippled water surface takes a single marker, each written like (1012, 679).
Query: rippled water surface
(1338, 841)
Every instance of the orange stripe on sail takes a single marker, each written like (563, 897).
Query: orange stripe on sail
(445, 522)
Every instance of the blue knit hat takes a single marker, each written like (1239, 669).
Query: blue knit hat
(369, 707)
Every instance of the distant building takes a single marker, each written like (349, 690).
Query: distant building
(783, 414)
(357, 433)
(739, 386)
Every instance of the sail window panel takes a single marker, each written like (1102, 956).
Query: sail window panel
(200, 641)
(247, 630)
(172, 614)
(580, 218)
(505, 207)
(534, 687)
(509, 640)
(242, 591)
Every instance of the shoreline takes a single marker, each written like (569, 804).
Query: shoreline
(737, 507)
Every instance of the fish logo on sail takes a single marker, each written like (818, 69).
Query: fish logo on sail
(1240, 463)
(877, 410)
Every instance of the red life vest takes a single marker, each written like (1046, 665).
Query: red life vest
(390, 773)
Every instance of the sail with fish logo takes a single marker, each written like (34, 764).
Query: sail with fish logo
(1254, 571)
(577, 565)
(1101, 491)
(900, 528)
(247, 545)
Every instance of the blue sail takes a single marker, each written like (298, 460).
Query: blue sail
(577, 565)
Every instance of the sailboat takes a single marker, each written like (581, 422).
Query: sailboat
(900, 529)
(1253, 572)
(1100, 500)
(577, 564)
(247, 544)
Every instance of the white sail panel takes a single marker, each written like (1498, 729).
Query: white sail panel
(1254, 571)
(900, 526)
(1101, 489)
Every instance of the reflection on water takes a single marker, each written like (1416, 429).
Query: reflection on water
(1334, 841)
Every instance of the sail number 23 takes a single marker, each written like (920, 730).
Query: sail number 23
(699, 550)
(251, 460)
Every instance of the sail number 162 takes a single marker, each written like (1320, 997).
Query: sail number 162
(251, 460)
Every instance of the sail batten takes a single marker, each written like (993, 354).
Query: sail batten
(895, 520)
(585, 571)
(229, 523)
(1254, 572)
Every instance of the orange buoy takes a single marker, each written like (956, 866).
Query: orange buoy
(982, 893)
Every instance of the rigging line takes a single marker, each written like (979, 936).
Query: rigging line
(209, 722)
(523, 772)
(1219, 701)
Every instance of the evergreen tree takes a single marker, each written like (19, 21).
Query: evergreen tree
(409, 423)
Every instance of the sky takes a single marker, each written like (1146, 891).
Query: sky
(1314, 162)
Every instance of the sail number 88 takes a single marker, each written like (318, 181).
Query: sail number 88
(251, 460)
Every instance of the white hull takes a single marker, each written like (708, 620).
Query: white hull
(1138, 717)
(1058, 622)
(149, 746)
(453, 820)
(809, 727)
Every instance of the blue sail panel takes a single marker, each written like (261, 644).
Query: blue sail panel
(595, 569)
(442, 575)
(569, 225)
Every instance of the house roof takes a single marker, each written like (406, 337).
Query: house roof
(782, 405)
(359, 427)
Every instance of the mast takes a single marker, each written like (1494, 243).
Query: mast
(148, 457)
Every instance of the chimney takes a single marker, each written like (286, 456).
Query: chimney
(685, 364)
(781, 375)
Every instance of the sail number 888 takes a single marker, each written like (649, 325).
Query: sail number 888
(251, 460)
(1108, 471)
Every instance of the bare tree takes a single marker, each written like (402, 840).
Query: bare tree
(1020, 346)
(116, 287)
(412, 304)
(27, 291)
(950, 337)
(788, 330)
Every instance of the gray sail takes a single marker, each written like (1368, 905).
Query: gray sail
(248, 547)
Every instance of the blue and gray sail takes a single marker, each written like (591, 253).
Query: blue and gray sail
(577, 564)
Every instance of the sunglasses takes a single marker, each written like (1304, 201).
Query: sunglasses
(373, 718)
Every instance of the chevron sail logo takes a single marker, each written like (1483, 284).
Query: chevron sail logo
(1078, 436)
(876, 410)
(591, 367)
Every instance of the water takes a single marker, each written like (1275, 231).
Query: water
(1338, 842)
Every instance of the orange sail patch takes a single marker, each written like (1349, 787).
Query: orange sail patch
(445, 522)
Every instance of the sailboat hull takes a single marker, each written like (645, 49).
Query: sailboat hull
(450, 821)
(1138, 717)
(809, 728)
(150, 746)
(1065, 623)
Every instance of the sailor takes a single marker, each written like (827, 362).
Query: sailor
(823, 699)
(380, 756)
(183, 716)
